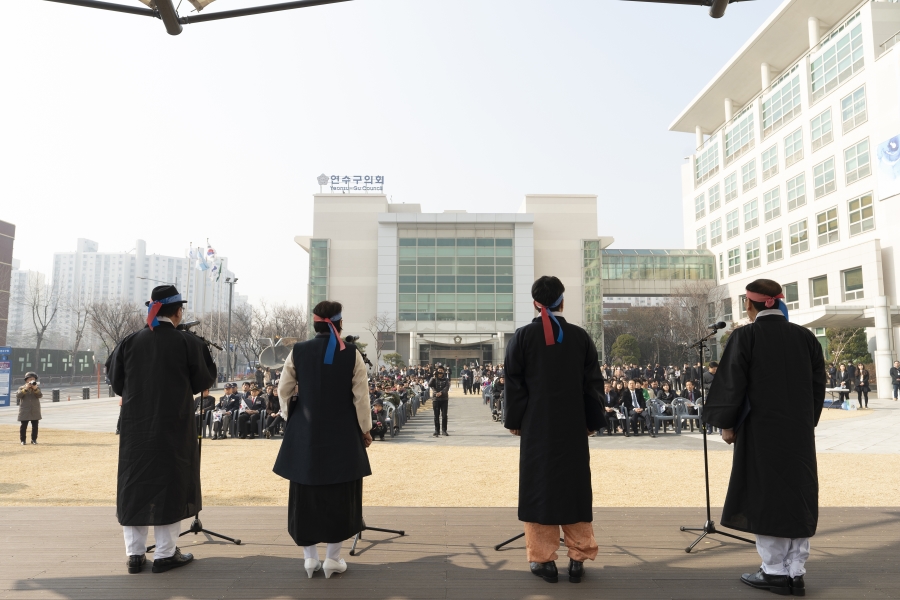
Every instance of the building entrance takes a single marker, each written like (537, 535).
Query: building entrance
(455, 357)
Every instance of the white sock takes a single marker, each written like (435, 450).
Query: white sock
(334, 551)
(311, 552)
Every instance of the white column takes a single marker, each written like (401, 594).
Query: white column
(729, 109)
(699, 132)
(766, 73)
(814, 35)
(413, 349)
(883, 354)
(501, 348)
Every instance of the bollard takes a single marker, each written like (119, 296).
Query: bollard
(55, 395)
(86, 393)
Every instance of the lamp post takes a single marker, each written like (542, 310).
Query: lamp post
(230, 283)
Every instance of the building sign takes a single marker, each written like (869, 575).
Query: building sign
(5, 374)
(352, 183)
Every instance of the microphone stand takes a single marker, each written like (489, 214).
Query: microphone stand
(709, 528)
(196, 526)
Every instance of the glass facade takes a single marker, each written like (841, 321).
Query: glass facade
(658, 264)
(593, 287)
(318, 274)
(456, 278)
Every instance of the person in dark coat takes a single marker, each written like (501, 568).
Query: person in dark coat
(156, 371)
(29, 399)
(862, 385)
(553, 386)
(323, 454)
(767, 398)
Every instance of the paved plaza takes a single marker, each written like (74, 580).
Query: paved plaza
(876, 431)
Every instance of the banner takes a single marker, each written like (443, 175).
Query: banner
(5, 375)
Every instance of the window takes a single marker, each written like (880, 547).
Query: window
(819, 290)
(856, 161)
(821, 131)
(742, 305)
(862, 214)
(752, 251)
(782, 106)
(740, 139)
(799, 237)
(793, 148)
(853, 110)
(707, 164)
(387, 340)
(853, 284)
(823, 176)
(721, 267)
(772, 204)
(751, 214)
(731, 191)
(699, 207)
(734, 261)
(770, 162)
(838, 63)
(774, 250)
(715, 198)
(732, 228)
(715, 232)
(791, 296)
(701, 238)
(748, 175)
(827, 226)
(711, 311)
(796, 192)
(726, 309)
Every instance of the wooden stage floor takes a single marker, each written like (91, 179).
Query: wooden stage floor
(70, 552)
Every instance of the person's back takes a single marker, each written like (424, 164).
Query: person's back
(767, 397)
(552, 387)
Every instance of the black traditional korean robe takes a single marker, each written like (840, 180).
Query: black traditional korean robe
(779, 368)
(553, 397)
(157, 373)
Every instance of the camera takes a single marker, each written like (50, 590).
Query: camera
(351, 339)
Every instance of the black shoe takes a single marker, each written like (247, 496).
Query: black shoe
(576, 571)
(435, 434)
(136, 563)
(161, 565)
(798, 588)
(34, 442)
(23, 442)
(777, 584)
(445, 434)
(546, 571)
(381, 438)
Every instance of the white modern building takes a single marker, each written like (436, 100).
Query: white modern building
(96, 276)
(20, 328)
(796, 176)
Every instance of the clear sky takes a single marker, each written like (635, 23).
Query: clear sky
(112, 130)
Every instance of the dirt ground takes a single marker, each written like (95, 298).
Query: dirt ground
(79, 468)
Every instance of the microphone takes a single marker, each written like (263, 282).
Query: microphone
(717, 326)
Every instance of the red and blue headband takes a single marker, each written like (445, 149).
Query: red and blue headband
(334, 339)
(546, 317)
(769, 301)
(154, 307)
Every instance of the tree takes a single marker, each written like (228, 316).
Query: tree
(42, 302)
(394, 359)
(80, 313)
(626, 349)
(848, 345)
(382, 328)
(113, 320)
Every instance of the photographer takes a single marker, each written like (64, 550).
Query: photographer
(29, 398)
(156, 371)
(440, 385)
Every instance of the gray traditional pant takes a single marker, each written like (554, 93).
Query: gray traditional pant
(783, 556)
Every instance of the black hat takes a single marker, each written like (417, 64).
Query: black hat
(378, 402)
(30, 374)
(161, 292)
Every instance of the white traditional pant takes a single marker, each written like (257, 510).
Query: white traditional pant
(332, 551)
(783, 556)
(166, 537)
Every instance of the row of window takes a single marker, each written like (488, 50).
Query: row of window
(851, 289)
(861, 217)
(842, 59)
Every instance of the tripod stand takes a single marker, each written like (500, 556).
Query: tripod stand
(196, 526)
(709, 528)
(364, 528)
(512, 539)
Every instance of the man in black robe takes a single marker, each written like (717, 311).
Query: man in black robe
(156, 371)
(767, 398)
(553, 386)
